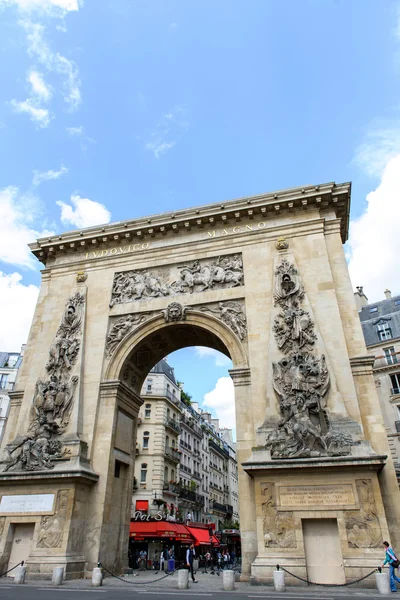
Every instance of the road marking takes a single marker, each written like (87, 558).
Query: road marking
(52, 589)
(184, 592)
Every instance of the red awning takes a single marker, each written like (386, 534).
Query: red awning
(152, 529)
(215, 541)
(142, 505)
(201, 536)
(182, 534)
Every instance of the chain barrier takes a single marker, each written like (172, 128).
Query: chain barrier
(133, 582)
(308, 582)
(21, 564)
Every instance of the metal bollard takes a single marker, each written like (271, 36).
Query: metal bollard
(97, 577)
(20, 573)
(382, 583)
(279, 580)
(58, 576)
(183, 579)
(228, 580)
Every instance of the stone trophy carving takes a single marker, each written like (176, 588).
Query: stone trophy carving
(300, 380)
(232, 313)
(53, 398)
(120, 328)
(201, 275)
(363, 527)
(175, 312)
(279, 528)
(52, 527)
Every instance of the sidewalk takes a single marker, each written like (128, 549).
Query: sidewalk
(207, 583)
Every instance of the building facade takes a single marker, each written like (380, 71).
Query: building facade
(380, 323)
(183, 466)
(10, 362)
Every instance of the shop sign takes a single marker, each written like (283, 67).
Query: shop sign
(232, 531)
(142, 516)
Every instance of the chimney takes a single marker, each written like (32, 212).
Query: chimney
(361, 298)
(388, 294)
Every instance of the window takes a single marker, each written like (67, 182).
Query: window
(384, 331)
(12, 359)
(117, 469)
(3, 381)
(172, 475)
(166, 475)
(397, 302)
(143, 473)
(395, 379)
(148, 387)
(374, 309)
(390, 355)
(146, 436)
(147, 411)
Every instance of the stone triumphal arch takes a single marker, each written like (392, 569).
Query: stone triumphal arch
(262, 279)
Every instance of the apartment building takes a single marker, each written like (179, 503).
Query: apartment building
(184, 466)
(380, 323)
(10, 362)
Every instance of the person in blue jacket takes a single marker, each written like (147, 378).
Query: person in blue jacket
(391, 559)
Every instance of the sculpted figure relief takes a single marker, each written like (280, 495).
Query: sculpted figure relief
(232, 314)
(120, 328)
(52, 527)
(279, 528)
(53, 398)
(201, 275)
(301, 380)
(363, 527)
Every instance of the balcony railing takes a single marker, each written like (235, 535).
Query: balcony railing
(185, 468)
(229, 509)
(172, 454)
(7, 387)
(387, 360)
(217, 506)
(173, 424)
(218, 448)
(192, 496)
(197, 474)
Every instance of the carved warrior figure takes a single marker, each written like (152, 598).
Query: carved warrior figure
(279, 528)
(53, 398)
(222, 272)
(363, 527)
(121, 328)
(232, 314)
(300, 380)
(175, 312)
(52, 527)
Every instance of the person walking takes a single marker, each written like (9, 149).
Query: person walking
(393, 562)
(190, 554)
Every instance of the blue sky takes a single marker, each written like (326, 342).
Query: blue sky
(115, 109)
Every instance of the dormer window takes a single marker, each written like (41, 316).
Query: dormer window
(384, 331)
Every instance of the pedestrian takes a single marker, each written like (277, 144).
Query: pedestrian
(162, 559)
(226, 558)
(190, 554)
(156, 564)
(188, 518)
(394, 563)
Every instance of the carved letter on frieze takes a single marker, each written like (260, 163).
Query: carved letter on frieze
(362, 526)
(222, 272)
(120, 328)
(300, 379)
(232, 313)
(53, 398)
(52, 527)
(279, 528)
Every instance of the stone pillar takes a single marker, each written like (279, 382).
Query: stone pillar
(183, 579)
(228, 580)
(97, 577)
(279, 581)
(245, 440)
(58, 576)
(20, 573)
(382, 583)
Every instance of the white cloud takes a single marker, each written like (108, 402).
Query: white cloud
(54, 8)
(173, 26)
(39, 87)
(54, 62)
(18, 213)
(381, 144)
(83, 212)
(220, 359)
(38, 115)
(221, 401)
(17, 304)
(374, 240)
(170, 129)
(78, 131)
(39, 176)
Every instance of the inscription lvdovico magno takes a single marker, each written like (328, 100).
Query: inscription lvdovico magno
(316, 495)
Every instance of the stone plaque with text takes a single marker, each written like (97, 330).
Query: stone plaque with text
(306, 496)
(27, 503)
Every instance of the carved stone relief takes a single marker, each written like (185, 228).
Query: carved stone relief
(53, 398)
(300, 379)
(362, 527)
(52, 527)
(232, 313)
(175, 312)
(279, 528)
(2, 523)
(222, 272)
(120, 328)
